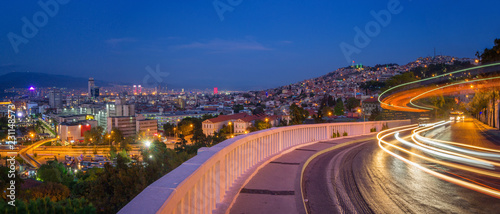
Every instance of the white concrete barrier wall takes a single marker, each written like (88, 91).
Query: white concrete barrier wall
(201, 183)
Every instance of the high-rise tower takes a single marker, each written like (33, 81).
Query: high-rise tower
(91, 86)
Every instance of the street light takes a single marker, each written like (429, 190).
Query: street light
(359, 110)
(364, 124)
(109, 139)
(147, 143)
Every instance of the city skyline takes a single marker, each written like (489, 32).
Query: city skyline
(207, 47)
(238, 106)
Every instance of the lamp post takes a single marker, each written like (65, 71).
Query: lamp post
(359, 111)
(364, 124)
(109, 139)
(230, 128)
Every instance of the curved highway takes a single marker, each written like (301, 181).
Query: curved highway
(28, 158)
(433, 178)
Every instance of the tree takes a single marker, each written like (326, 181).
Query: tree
(491, 55)
(352, 103)
(330, 101)
(168, 129)
(437, 102)
(399, 79)
(298, 114)
(54, 171)
(198, 135)
(94, 135)
(318, 118)
(261, 125)
(55, 191)
(372, 86)
(188, 125)
(227, 130)
(206, 117)
(182, 140)
(116, 186)
(116, 135)
(339, 107)
(45, 205)
(326, 111)
(125, 144)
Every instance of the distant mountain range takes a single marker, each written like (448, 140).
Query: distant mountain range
(38, 80)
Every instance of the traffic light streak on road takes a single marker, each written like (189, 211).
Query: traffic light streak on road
(399, 101)
(482, 163)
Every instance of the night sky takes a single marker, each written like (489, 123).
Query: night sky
(260, 44)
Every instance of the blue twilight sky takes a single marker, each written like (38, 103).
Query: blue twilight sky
(258, 45)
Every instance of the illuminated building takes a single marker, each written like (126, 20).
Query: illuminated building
(71, 132)
(55, 100)
(91, 86)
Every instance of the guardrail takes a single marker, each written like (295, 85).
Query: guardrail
(203, 183)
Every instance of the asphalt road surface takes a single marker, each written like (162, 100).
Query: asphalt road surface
(362, 178)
